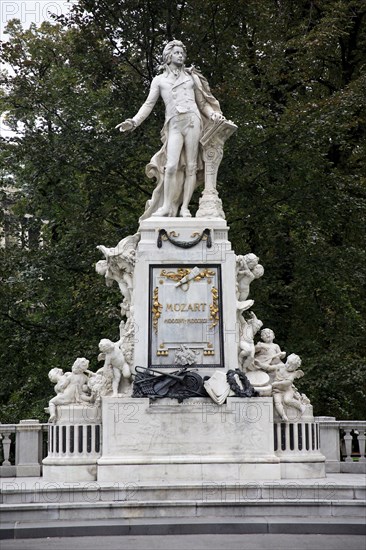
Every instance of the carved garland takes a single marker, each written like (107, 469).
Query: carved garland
(214, 307)
(156, 309)
(183, 272)
(164, 235)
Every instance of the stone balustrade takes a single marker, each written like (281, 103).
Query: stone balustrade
(300, 437)
(342, 442)
(21, 448)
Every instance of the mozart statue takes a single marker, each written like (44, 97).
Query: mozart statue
(189, 109)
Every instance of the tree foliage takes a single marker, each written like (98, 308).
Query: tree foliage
(290, 73)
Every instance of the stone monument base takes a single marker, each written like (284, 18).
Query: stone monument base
(192, 442)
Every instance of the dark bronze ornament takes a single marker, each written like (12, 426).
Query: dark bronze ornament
(179, 384)
(247, 390)
(164, 236)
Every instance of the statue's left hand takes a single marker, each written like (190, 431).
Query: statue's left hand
(217, 117)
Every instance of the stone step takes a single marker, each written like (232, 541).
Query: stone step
(70, 511)
(29, 501)
(40, 492)
(184, 526)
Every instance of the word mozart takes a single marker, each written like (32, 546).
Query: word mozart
(186, 307)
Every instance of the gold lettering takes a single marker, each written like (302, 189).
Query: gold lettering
(185, 307)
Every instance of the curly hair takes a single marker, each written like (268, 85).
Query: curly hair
(167, 52)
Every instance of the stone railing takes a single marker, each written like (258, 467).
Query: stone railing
(24, 445)
(22, 448)
(343, 444)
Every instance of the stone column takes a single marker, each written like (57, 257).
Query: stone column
(28, 448)
(329, 442)
(210, 205)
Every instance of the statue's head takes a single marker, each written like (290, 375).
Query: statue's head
(258, 271)
(168, 50)
(251, 260)
(80, 365)
(101, 267)
(55, 374)
(293, 362)
(106, 346)
(267, 335)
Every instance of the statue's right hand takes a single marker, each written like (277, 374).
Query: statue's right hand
(127, 126)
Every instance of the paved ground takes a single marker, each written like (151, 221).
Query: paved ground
(193, 542)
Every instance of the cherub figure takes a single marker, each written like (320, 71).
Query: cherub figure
(119, 265)
(267, 352)
(248, 268)
(247, 331)
(71, 387)
(114, 358)
(284, 391)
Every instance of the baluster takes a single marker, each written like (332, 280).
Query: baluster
(93, 438)
(76, 440)
(348, 444)
(287, 436)
(361, 443)
(68, 440)
(85, 449)
(5, 436)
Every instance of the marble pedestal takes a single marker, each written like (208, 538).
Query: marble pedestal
(192, 442)
(161, 328)
(297, 445)
(74, 444)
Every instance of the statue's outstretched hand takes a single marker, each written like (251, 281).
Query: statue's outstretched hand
(127, 125)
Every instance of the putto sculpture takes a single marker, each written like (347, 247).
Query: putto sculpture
(118, 265)
(283, 389)
(267, 352)
(247, 331)
(114, 359)
(189, 109)
(248, 268)
(71, 387)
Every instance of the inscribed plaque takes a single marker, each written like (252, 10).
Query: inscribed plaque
(185, 316)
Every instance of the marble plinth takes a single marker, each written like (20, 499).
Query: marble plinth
(191, 442)
(74, 444)
(214, 341)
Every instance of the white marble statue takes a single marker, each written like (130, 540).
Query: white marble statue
(284, 392)
(113, 356)
(189, 109)
(267, 352)
(247, 331)
(118, 266)
(71, 387)
(248, 268)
